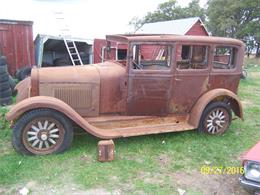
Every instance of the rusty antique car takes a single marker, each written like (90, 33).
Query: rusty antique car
(157, 84)
(250, 180)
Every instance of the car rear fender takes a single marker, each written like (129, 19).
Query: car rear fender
(53, 103)
(215, 95)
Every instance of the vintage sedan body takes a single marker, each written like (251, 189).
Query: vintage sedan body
(251, 162)
(159, 84)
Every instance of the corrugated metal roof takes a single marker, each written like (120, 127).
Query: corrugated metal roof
(7, 21)
(177, 27)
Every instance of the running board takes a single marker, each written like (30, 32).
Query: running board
(128, 126)
(155, 129)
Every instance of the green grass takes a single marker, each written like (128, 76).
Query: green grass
(143, 164)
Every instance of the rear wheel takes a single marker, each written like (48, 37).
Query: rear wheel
(42, 131)
(215, 119)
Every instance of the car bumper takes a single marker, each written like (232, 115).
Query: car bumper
(251, 186)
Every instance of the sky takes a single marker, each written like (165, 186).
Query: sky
(85, 18)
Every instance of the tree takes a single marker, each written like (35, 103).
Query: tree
(170, 10)
(235, 18)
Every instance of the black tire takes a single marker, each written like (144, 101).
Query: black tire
(21, 139)
(218, 125)
(3, 61)
(4, 86)
(12, 82)
(4, 77)
(6, 93)
(3, 69)
(6, 101)
(22, 73)
(26, 73)
(61, 62)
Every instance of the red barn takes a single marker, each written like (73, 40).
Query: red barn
(16, 43)
(185, 26)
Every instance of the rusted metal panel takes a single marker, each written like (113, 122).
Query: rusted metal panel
(77, 86)
(100, 50)
(187, 88)
(175, 38)
(252, 154)
(148, 94)
(225, 80)
(113, 88)
(16, 43)
(23, 89)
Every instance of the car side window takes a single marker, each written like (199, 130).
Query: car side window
(224, 57)
(192, 57)
(151, 57)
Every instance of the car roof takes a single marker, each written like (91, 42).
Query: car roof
(172, 38)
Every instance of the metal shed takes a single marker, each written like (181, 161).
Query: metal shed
(16, 43)
(48, 48)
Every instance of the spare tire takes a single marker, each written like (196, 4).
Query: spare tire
(6, 101)
(3, 61)
(6, 93)
(24, 72)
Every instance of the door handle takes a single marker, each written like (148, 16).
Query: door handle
(177, 79)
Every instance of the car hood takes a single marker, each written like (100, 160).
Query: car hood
(79, 74)
(89, 89)
(253, 154)
(69, 74)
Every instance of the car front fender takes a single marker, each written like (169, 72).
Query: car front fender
(53, 103)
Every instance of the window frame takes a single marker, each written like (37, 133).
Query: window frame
(171, 46)
(208, 53)
(236, 58)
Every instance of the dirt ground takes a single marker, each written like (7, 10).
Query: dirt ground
(210, 184)
(191, 182)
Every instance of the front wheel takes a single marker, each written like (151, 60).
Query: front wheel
(215, 119)
(42, 131)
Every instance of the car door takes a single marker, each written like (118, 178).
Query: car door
(191, 75)
(225, 70)
(150, 78)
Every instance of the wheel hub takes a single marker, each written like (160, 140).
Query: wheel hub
(44, 137)
(215, 122)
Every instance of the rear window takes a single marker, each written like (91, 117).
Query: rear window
(224, 57)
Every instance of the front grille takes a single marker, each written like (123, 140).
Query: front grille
(76, 98)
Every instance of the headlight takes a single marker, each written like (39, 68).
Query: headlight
(252, 170)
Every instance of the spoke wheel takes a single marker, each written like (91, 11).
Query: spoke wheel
(43, 135)
(42, 131)
(215, 119)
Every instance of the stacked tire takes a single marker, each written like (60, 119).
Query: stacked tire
(5, 86)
